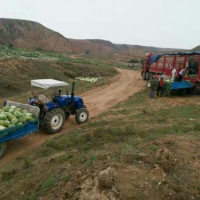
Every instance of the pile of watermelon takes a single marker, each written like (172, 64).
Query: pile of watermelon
(13, 116)
(87, 79)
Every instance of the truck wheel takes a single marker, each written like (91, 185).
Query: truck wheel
(54, 120)
(193, 91)
(144, 75)
(82, 116)
(149, 84)
(3, 147)
(182, 92)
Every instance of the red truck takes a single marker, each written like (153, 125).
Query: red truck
(158, 64)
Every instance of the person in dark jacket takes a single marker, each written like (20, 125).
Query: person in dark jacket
(160, 87)
(153, 87)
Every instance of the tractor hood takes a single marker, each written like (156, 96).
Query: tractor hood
(76, 98)
(65, 100)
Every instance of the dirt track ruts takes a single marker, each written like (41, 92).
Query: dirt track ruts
(97, 100)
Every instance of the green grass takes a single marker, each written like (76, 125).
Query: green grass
(47, 184)
(133, 61)
(138, 120)
(15, 80)
(32, 196)
(119, 135)
(8, 174)
(27, 164)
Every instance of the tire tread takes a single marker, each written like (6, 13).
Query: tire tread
(47, 118)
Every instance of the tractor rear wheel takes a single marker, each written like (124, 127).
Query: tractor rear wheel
(82, 116)
(54, 120)
(3, 147)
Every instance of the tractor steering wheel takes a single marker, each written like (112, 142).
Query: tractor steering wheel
(54, 96)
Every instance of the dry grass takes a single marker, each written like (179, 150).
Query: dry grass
(117, 138)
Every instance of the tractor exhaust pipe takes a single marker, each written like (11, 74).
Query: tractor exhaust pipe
(72, 94)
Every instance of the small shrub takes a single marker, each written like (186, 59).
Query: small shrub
(39, 49)
(133, 61)
(27, 164)
(46, 151)
(66, 178)
(154, 147)
(32, 196)
(88, 163)
(48, 183)
(7, 175)
(92, 158)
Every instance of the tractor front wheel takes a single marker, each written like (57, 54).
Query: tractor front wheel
(54, 120)
(3, 147)
(82, 116)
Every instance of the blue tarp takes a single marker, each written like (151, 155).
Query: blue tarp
(156, 57)
(181, 85)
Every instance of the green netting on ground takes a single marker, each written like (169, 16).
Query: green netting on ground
(167, 87)
(10, 130)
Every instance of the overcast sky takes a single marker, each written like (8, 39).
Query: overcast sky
(161, 23)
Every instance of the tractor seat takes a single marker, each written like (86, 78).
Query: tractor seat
(43, 99)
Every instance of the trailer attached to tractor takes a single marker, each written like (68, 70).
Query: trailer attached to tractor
(50, 114)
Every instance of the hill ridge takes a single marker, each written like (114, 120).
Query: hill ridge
(33, 35)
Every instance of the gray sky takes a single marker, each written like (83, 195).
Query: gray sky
(161, 23)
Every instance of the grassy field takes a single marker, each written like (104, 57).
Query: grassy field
(152, 146)
(139, 149)
(19, 66)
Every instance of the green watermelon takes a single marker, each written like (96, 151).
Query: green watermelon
(28, 118)
(29, 115)
(23, 115)
(17, 114)
(6, 123)
(13, 107)
(25, 111)
(6, 108)
(2, 127)
(33, 119)
(19, 109)
(12, 111)
(22, 120)
(10, 116)
(14, 121)
(11, 125)
(3, 116)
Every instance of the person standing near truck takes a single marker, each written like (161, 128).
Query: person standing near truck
(181, 74)
(174, 74)
(160, 87)
(154, 86)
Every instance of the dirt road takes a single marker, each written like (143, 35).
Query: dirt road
(97, 100)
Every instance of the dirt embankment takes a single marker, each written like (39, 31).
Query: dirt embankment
(33, 35)
(97, 100)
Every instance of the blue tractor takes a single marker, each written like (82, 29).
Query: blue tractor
(53, 113)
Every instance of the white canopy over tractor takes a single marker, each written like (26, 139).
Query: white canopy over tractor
(47, 83)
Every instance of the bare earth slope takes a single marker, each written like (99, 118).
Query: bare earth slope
(32, 35)
(97, 100)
